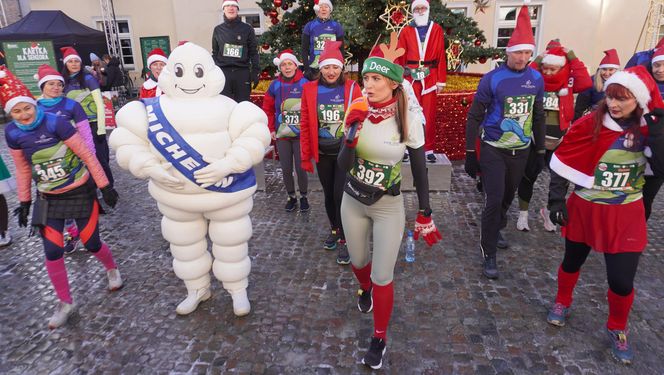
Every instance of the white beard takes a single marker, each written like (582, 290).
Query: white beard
(422, 20)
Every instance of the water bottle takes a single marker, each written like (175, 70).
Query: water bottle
(410, 247)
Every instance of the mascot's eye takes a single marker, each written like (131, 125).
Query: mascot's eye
(199, 71)
(179, 70)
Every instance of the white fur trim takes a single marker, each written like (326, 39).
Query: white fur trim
(554, 60)
(520, 47)
(3, 74)
(18, 99)
(611, 124)
(71, 57)
(229, 2)
(570, 173)
(326, 2)
(563, 92)
(634, 84)
(330, 62)
(607, 66)
(155, 58)
(286, 56)
(149, 84)
(657, 58)
(51, 77)
(418, 2)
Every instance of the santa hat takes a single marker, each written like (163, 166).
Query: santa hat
(286, 54)
(658, 55)
(69, 53)
(417, 3)
(522, 38)
(555, 56)
(318, 3)
(13, 90)
(554, 43)
(46, 73)
(226, 3)
(610, 59)
(641, 84)
(331, 55)
(157, 54)
(382, 59)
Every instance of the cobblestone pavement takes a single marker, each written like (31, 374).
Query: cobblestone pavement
(447, 318)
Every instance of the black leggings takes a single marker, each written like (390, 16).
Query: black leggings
(620, 267)
(650, 189)
(4, 215)
(527, 184)
(88, 231)
(332, 179)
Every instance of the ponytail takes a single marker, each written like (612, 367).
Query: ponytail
(401, 115)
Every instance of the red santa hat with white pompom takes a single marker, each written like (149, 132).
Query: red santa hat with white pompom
(286, 54)
(318, 3)
(46, 73)
(13, 91)
(157, 54)
(417, 3)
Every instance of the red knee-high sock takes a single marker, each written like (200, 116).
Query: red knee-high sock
(363, 275)
(383, 301)
(105, 257)
(566, 283)
(619, 307)
(58, 274)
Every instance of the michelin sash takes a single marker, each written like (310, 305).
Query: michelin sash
(182, 156)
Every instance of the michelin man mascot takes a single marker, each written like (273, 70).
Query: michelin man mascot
(197, 149)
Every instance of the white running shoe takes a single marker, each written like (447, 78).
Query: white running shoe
(61, 315)
(5, 239)
(549, 226)
(114, 279)
(522, 223)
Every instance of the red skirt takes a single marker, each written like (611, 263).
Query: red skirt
(607, 228)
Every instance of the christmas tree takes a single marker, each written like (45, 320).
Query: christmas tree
(363, 26)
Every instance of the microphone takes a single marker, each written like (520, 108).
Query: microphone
(351, 133)
(358, 105)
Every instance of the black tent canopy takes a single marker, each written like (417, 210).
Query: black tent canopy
(62, 30)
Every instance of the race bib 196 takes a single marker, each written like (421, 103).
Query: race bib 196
(373, 174)
(233, 50)
(551, 101)
(620, 177)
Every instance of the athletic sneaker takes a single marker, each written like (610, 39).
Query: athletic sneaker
(5, 239)
(502, 242)
(291, 203)
(558, 314)
(406, 157)
(343, 258)
(431, 158)
(114, 279)
(620, 348)
(490, 267)
(364, 300)
(61, 315)
(522, 222)
(374, 356)
(331, 240)
(549, 226)
(304, 204)
(70, 243)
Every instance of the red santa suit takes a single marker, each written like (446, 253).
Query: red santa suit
(150, 88)
(428, 61)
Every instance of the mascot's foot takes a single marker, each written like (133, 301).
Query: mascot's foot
(190, 303)
(241, 305)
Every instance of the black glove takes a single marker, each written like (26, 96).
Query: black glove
(541, 162)
(558, 212)
(110, 195)
(655, 121)
(22, 212)
(472, 166)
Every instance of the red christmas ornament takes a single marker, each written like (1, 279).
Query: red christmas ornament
(277, 3)
(397, 17)
(284, 6)
(272, 13)
(496, 56)
(274, 20)
(482, 59)
(478, 42)
(266, 46)
(292, 25)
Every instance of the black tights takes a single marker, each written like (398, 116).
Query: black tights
(4, 214)
(620, 267)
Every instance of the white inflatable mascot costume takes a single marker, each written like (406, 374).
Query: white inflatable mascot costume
(197, 149)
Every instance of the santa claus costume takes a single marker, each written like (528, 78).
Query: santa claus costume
(157, 59)
(564, 75)
(605, 155)
(425, 66)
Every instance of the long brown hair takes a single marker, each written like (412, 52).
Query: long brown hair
(620, 92)
(401, 115)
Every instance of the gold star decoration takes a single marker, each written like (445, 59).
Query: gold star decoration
(481, 5)
(396, 16)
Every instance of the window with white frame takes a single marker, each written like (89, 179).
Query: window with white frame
(507, 22)
(462, 11)
(126, 45)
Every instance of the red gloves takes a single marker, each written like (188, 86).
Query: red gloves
(425, 226)
(357, 112)
(307, 165)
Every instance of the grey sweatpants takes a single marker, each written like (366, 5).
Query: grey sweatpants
(289, 149)
(386, 220)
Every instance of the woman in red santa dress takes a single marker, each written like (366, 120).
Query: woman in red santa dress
(605, 154)
(157, 60)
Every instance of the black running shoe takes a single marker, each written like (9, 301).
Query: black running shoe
(364, 300)
(431, 158)
(374, 356)
(343, 258)
(70, 243)
(331, 240)
(490, 267)
(502, 242)
(304, 204)
(291, 204)
(406, 157)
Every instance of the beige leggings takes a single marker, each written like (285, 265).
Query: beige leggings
(386, 220)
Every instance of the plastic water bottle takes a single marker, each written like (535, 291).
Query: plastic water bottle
(410, 247)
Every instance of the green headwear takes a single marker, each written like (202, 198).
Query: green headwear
(381, 60)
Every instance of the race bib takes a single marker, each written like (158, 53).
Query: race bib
(319, 41)
(371, 173)
(420, 73)
(50, 171)
(616, 177)
(233, 50)
(519, 106)
(290, 125)
(330, 117)
(551, 101)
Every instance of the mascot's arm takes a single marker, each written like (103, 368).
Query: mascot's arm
(129, 140)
